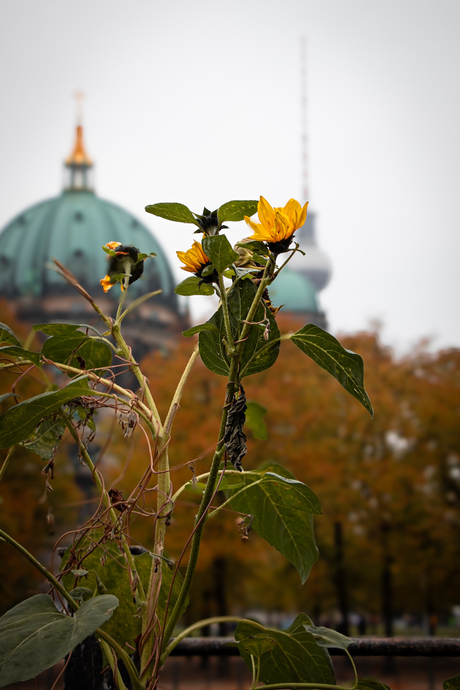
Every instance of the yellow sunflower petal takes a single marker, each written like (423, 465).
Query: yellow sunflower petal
(266, 213)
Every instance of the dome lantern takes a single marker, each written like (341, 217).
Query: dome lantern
(78, 166)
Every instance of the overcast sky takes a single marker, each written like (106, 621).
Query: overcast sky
(199, 102)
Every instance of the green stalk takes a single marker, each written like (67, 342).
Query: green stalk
(164, 506)
(203, 509)
(41, 568)
(6, 462)
(220, 448)
(196, 626)
(126, 353)
(226, 315)
(111, 511)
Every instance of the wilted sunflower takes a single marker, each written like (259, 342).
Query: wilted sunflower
(125, 262)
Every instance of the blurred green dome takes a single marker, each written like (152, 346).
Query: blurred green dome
(73, 227)
(294, 291)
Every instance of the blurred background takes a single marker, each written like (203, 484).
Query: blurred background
(353, 106)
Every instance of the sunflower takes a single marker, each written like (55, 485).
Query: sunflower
(194, 259)
(277, 225)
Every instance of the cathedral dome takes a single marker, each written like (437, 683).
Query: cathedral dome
(73, 227)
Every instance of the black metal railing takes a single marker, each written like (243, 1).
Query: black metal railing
(360, 646)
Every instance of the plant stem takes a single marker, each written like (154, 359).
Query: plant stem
(41, 568)
(196, 626)
(204, 507)
(140, 594)
(5, 462)
(227, 327)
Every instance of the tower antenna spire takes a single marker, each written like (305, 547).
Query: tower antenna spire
(303, 117)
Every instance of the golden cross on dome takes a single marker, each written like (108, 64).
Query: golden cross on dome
(79, 96)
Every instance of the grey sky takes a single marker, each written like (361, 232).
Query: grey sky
(199, 102)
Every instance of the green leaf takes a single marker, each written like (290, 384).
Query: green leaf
(282, 508)
(254, 246)
(219, 250)
(255, 413)
(452, 683)
(34, 635)
(197, 329)
(345, 366)
(294, 657)
(7, 335)
(141, 256)
(5, 396)
(57, 328)
(326, 637)
(46, 438)
(173, 211)
(107, 250)
(371, 685)
(194, 286)
(18, 423)
(78, 350)
(236, 210)
(257, 645)
(261, 347)
(108, 564)
(18, 353)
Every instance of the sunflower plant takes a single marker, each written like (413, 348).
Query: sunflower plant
(131, 600)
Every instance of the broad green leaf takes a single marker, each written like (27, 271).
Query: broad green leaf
(236, 210)
(18, 353)
(57, 328)
(452, 683)
(219, 250)
(78, 350)
(7, 335)
(261, 347)
(173, 211)
(194, 286)
(257, 645)
(294, 657)
(371, 685)
(326, 637)
(255, 413)
(282, 508)
(197, 329)
(18, 423)
(345, 366)
(46, 438)
(109, 564)
(34, 635)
